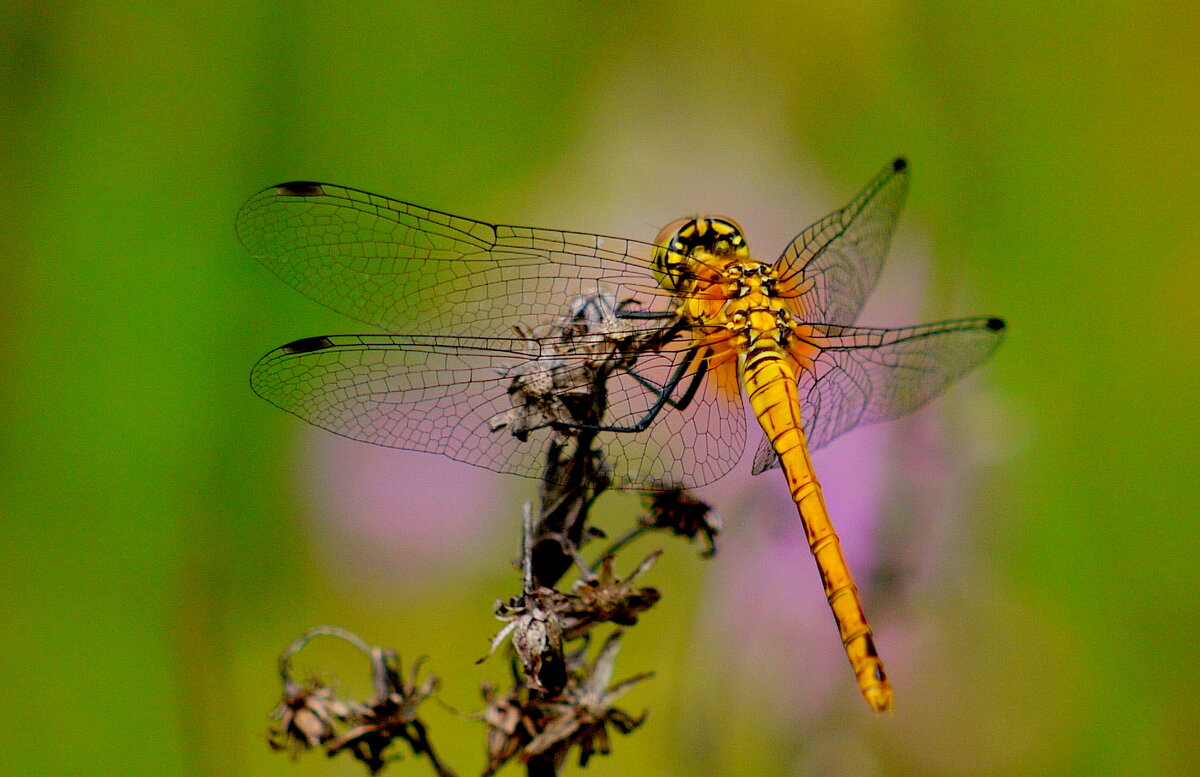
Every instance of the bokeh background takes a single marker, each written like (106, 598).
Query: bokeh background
(1027, 545)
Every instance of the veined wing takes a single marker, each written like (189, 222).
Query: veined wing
(405, 268)
(830, 269)
(450, 395)
(863, 376)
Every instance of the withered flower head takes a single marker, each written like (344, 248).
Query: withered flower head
(608, 598)
(535, 625)
(529, 725)
(679, 511)
(313, 715)
(508, 722)
(390, 715)
(307, 716)
(541, 620)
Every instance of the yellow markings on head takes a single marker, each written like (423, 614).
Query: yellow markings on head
(684, 247)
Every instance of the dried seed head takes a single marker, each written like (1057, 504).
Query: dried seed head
(529, 725)
(313, 715)
(679, 511)
(307, 717)
(535, 627)
(607, 598)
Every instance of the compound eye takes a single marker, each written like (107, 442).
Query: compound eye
(671, 231)
(679, 242)
(671, 253)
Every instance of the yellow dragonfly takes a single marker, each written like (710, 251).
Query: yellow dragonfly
(505, 325)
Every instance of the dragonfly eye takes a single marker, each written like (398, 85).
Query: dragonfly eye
(679, 244)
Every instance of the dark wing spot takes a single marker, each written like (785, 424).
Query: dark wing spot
(307, 345)
(899, 163)
(299, 189)
(996, 324)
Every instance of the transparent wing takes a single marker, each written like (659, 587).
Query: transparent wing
(863, 376)
(830, 269)
(405, 268)
(450, 395)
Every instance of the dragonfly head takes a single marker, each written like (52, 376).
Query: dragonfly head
(679, 245)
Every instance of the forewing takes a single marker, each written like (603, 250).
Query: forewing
(863, 376)
(446, 395)
(405, 268)
(828, 271)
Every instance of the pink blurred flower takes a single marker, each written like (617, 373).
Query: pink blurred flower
(395, 516)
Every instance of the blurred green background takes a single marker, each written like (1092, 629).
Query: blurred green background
(166, 533)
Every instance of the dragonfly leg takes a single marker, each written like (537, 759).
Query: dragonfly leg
(664, 392)
(663, 395)
(626, 309)
(646, 315)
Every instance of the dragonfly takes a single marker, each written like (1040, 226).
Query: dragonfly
(488, 330)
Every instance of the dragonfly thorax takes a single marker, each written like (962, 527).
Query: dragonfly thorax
(719, 285)
(681, 246)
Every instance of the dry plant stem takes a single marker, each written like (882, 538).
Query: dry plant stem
(290, 686)
(618, 544)
(285, 658)
(426, 747)
(561, 526)
(572, 482)
(541, 766)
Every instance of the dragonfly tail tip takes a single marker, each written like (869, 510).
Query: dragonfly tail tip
(879, 699)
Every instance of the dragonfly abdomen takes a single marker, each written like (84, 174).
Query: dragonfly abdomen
(770, 381)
